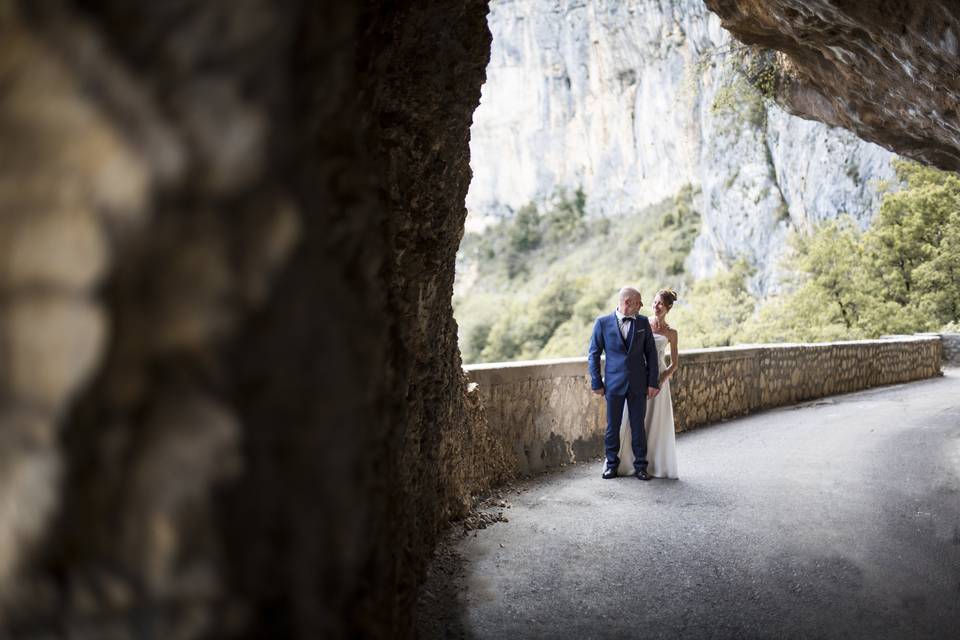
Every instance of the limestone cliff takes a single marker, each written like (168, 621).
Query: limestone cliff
(633, 100)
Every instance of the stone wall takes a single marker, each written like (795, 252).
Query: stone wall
(546, 415)
(542, 411)
(951, 348)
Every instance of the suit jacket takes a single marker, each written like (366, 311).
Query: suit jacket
(630, 363)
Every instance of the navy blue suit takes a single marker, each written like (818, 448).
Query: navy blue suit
(631, 367)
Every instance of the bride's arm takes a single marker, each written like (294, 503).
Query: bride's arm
(674, 357)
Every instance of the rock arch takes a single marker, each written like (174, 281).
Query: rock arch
(230, 392)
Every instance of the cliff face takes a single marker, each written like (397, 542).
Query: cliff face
(633, 100)
(885, 69)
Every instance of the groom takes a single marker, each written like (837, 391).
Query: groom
(632, 376)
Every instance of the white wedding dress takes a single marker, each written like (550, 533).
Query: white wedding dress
(658, 424)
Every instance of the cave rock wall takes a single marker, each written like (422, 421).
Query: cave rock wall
(887, 70)
(231, 401)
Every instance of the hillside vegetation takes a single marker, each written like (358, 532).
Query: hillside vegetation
(531, 286)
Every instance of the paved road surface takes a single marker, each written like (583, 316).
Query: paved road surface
(835, 519)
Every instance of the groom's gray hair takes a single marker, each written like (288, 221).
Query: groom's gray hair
(626, 291)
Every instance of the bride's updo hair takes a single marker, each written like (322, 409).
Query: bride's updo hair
(668, 296)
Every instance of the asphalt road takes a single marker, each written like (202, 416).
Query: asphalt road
(839, 518)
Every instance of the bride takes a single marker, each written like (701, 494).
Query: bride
(658, 422)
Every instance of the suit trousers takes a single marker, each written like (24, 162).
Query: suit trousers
(636, 402)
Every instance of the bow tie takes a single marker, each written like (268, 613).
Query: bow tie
(631, 318)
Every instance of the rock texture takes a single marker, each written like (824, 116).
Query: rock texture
(231, 402)
(634, 100)
(715, 384)
(541, 411)
(951, 348)
(885, 69)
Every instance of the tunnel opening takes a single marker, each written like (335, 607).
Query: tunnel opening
(231, 396)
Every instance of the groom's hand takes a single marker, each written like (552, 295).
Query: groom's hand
(599, 391)
(652, 392)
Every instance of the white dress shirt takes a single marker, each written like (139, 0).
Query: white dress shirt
(624, 327)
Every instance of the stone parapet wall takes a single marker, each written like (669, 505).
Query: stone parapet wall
(545, 414)
(951, 348)
(542, 411)
(715, 384)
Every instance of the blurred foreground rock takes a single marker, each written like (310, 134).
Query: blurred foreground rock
(231, 402)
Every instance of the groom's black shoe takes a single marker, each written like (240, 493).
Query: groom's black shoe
(641, 474)
(609, 472)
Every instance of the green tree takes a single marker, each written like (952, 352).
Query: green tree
(831, 266)
(915, 243)
(525, 234)
(565, 219)
(836, 294)
(900, 276)
(524, 328)
(715, 310)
